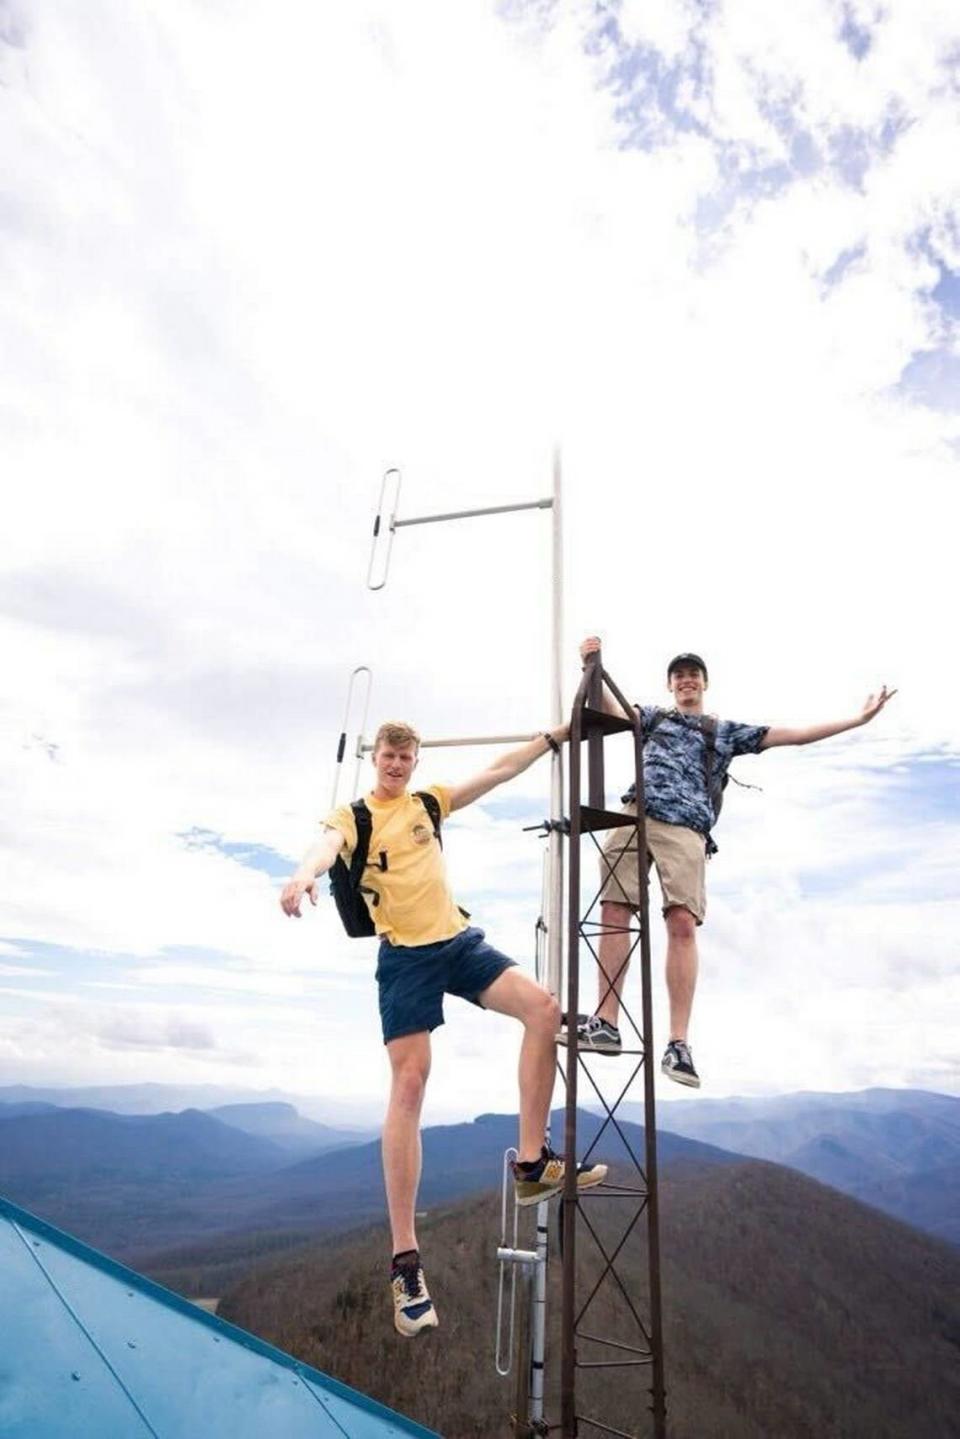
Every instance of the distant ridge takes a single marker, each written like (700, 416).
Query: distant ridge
(56, 1146)
(285, 1126)
(249, 1178)
(155, 1098)
(138, 1185)
(898, 1149)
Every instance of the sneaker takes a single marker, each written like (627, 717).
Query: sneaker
(677, 1063)
(413, 1310)
(594, 1033)
(543, 1180)
(563, 1035)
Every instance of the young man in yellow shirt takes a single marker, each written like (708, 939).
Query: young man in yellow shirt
(428, 949)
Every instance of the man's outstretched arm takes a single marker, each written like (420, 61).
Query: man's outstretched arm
(809, 734)
(317, 860)
(508, 766)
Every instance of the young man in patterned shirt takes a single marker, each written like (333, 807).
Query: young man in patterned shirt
(679, 817)
(428, 949)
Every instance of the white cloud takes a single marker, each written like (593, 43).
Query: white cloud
(424, 244)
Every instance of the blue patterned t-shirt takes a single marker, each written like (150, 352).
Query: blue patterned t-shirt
(674, 764)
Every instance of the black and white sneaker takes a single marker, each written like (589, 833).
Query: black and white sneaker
(593, 1033)
(413, 1311)
(677, 1063)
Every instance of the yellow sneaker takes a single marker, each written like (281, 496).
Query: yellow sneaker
(413, 1310)
(545, 1179)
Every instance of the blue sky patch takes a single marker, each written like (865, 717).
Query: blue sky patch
(110, 976)
(251, 855)
(855, 35)
(926, 789)
(932, 378)
(650, 89)
(44, 960)
(63, 967)
(946, 292)
(851, 154)
(524, 811)
(844, 262)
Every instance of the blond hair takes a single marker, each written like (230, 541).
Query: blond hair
(396, 733)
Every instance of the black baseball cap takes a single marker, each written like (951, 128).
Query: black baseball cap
(686, 659)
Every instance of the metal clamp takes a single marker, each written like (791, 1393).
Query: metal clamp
(391, 478)
(548, 826)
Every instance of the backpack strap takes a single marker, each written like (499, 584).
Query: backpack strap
(656, 718)
(708, 728)
(432, 805)
(363, 819)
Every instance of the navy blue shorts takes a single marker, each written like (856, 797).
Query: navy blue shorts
(414, 978)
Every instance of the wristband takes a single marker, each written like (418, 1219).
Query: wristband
(551, 742)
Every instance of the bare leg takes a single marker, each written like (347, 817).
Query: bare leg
(614, 949)
(682, 966)
(402, 1153)
(516, 994)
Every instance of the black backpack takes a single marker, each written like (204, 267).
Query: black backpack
(346, 881)
(716, 784)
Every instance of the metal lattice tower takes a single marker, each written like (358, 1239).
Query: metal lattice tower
(605, 1323)
(614, 1244)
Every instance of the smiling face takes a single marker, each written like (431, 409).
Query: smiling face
(687, 685)
(393, 764)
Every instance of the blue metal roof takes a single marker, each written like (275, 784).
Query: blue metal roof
(92, 1350)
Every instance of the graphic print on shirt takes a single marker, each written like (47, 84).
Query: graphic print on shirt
(674, 770)
(405, 869)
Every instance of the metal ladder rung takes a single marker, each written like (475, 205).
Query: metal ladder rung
(594, 819)
(599, 722)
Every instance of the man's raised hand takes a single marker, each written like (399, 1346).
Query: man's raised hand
(589, 646)
(875, 703)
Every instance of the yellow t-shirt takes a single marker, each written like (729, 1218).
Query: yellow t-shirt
(415, 904)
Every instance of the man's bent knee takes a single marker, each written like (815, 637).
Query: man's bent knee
(409, 1084)
(546, 1015)
(410, 1065)
(681, 924)
(517, 995)
(539, 1011)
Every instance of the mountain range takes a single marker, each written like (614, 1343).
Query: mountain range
(897, 1149)
(194, 1197)
(153, 1098)
(137, 1184)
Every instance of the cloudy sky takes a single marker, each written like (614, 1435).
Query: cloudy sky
(253, 255)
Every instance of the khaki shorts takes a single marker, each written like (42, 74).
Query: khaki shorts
(679, 855)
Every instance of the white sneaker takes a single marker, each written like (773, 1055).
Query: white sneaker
(413, 1310)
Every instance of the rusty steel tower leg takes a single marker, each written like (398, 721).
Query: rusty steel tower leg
(601, 1276)
(568, 1202)
(657, 1388)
